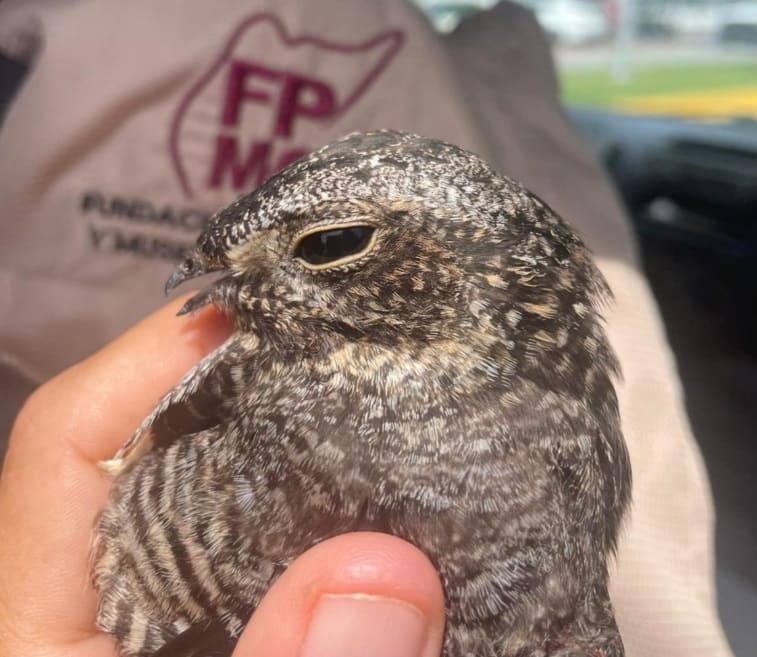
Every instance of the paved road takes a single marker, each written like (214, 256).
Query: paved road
(654, 52)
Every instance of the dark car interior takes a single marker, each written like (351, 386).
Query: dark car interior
(691, 191)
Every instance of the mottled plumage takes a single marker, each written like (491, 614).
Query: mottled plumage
(451, 383)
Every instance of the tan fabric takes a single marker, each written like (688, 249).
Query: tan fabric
(123, 141)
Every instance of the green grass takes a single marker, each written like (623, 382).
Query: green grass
(597, 88)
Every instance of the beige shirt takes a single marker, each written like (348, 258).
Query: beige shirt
(134, 126)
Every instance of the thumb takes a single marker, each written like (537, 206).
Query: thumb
(356, 595)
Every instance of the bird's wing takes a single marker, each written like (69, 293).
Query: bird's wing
(207, 640)
(196, 403)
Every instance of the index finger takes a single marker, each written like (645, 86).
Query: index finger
(110, 392)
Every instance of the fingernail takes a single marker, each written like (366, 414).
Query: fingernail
(216, 328)
(209, 329)
(365, 626)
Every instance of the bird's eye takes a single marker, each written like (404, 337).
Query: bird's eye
(333, 245)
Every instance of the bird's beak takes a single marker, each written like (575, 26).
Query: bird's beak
(175, 279)
(191, 267)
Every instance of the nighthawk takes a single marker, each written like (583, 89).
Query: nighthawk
(418, 349)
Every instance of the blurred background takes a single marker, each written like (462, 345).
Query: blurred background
(666, 92)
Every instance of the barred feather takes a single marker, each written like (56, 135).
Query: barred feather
(451, 383)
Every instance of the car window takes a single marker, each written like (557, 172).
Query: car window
(693, 59)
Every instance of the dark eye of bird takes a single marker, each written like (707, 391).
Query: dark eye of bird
(332, 244)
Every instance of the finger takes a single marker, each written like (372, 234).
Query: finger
(114, 389)
(364, 594)
(51, 489)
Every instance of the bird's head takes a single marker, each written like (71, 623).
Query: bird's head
(387, 237)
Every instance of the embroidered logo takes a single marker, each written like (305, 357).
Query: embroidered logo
(274, 89)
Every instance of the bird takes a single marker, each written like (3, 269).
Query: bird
(418, 348)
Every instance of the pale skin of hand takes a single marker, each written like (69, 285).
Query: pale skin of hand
(51, 490)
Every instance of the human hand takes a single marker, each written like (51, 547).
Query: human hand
(359, 594)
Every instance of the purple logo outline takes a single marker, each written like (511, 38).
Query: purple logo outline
(395, 37)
